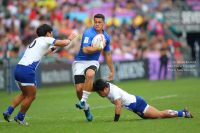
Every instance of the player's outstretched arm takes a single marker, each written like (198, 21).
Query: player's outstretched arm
(108, 58)
(90, 50)
(61, 43)
(51, 50)
(65, 42)
(117, 109)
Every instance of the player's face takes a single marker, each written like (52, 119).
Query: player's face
(98, 24)
(103, 93)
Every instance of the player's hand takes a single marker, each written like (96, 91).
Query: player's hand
(104, 45)
(55, 47)
(110, 77)
(100, 48)
(72, 36)
(104, 42)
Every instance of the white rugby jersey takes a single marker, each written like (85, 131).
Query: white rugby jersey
(35, 51)
(115, 93)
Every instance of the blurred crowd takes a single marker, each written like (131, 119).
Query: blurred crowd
(146, 32)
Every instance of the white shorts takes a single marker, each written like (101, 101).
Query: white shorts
(79, 67)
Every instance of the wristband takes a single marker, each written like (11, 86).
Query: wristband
(116, 117)
(53, 49)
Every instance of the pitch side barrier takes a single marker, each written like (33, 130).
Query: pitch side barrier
(125, 70)
(55, 74)
(2, 78)
(60, 74)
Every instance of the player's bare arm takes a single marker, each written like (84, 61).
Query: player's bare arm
(61, 43)
(90, 50)
(108, 58)
(117, 109)
(66, 42)
(51, 50)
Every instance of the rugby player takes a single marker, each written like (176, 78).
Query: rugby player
(25, 70)
(134, 103)
(86, 63)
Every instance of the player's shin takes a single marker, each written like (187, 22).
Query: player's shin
(179, 113)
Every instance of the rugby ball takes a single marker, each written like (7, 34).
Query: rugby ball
(99, 41)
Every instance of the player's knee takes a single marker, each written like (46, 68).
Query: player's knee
(90, 74)
(32, 97)
(79, 89)
(159, 116)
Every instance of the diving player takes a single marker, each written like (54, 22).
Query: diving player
(122, 99)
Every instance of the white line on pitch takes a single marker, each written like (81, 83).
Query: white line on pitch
(102, 106)
(163, 97)
(13, 120)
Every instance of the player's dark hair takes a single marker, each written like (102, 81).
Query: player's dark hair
(99, 16)
(43, 29)
(99, 85)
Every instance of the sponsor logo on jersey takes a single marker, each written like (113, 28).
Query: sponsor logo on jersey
(86, 40)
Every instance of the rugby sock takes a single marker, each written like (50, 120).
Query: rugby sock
(183, 114)
(85, 96)
(10, 110)
(86, 106)
(21, 116)
(172, 112)
(180, 113)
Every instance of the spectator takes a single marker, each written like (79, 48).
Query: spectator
(129, 28)
(163, 59)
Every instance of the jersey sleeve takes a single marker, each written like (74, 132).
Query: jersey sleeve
(86, 40)
(50, 40)
(107, 47)
(116, 95)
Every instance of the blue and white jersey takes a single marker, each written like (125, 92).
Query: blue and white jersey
(87, 37)
(117, 93)
(35, 51)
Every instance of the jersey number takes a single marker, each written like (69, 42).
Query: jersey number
(30, 46)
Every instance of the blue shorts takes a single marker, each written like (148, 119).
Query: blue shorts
(139, 107)
(25, 75)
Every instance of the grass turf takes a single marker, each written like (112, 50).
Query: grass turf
(54, 109)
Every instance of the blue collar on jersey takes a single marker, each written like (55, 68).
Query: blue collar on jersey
(96, 31)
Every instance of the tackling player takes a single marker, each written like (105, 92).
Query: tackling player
(86, 64)
(122, 99)
(25, 70)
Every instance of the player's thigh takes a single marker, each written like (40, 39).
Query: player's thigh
(90, 71)
(79, 80)
(22, 89)
(152, 112)
(29, 91)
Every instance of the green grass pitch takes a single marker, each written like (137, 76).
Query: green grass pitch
(54, 111)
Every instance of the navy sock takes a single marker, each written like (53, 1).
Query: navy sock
(180, 113)
(21, 116)
(10, 110)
